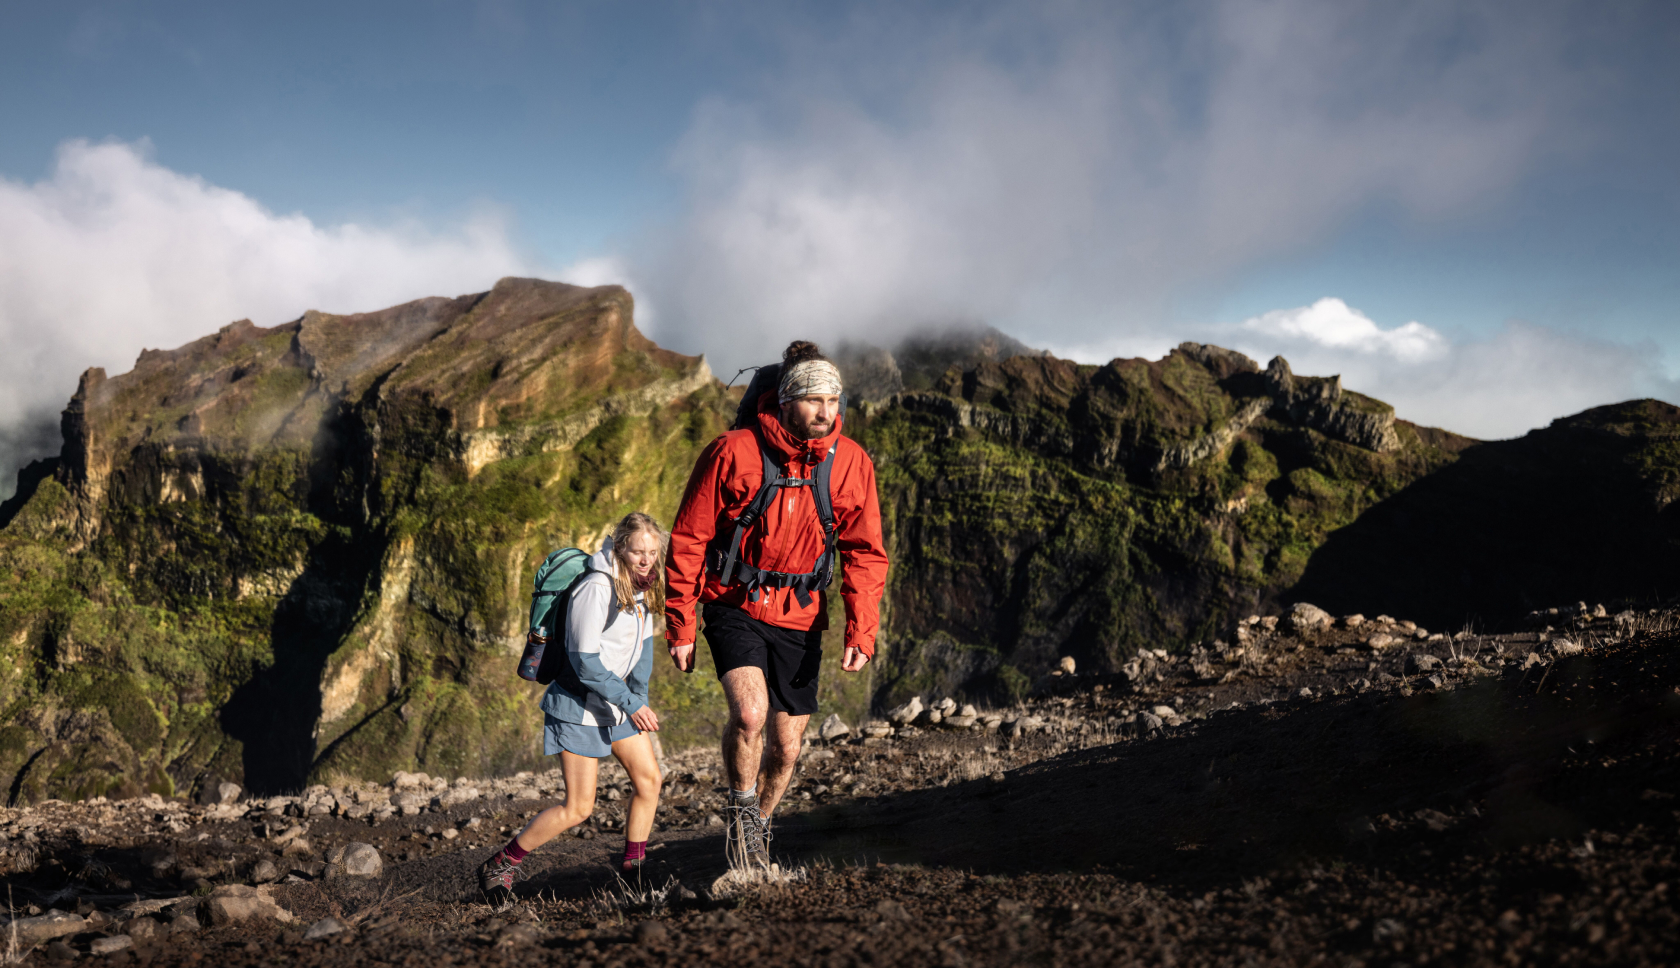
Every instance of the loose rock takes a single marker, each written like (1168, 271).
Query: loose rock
(834, 727)
(361, 860)
(649, 933)
(326, 927)
(905, 713)
(111, 945)
(1305, 617)
(233, 903)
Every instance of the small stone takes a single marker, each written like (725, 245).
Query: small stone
(713, 820)
(451, 833)
(1421, 662)
(1068, 665)
(958, 722)
(1165, 712)
(891, 910)
(934, 716)
(834, 727)
(877, 730)
(233, 903)
(969, 710)
(518, 936)
(265, 871)
(1380, 641)
(649, 933)
(111, 944)
(39, 930)
(227, 792)
(1353, 621)
(185, 922)
(1386, 930)
(361, 860)
(143, 928)
(1305, 617)
(1151, 722)
(59, 951)
(905, 713)
(1305, 693)
(326, 927)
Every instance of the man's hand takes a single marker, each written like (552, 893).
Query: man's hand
(682, 656)
(646, 719)
(854, 659)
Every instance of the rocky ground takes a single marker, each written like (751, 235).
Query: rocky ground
(1306, 790)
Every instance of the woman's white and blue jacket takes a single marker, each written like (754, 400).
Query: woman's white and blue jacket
(612, 660)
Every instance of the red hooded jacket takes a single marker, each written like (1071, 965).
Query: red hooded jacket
(788, 538)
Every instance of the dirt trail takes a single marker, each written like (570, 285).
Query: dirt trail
(1487, 807)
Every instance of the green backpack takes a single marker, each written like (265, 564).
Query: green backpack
(551, 593)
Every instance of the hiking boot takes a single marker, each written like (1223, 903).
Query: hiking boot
(744, 836)
(498, 874)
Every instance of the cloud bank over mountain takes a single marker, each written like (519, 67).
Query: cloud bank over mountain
(1066, 173)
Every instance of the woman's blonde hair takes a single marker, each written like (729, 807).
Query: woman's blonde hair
(633, 524)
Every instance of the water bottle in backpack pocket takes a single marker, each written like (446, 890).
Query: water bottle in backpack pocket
(551, 593)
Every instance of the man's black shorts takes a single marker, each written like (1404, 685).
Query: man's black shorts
(790, 658)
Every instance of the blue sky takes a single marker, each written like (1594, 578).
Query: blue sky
(1103, 179)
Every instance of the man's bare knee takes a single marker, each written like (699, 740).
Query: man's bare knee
(748, 719)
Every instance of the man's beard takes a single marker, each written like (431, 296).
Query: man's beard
(815, 431)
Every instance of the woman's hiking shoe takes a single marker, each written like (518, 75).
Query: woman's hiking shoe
(498, 874)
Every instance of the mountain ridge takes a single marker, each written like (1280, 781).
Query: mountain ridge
(289, 554)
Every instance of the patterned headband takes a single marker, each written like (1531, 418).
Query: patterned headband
(808, 377)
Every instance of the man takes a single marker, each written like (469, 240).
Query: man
(758, 567)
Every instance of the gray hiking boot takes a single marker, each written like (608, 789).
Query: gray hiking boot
(744, 835)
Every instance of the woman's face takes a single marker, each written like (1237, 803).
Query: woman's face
(641, 553)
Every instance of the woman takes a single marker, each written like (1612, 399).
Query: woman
(600, 707)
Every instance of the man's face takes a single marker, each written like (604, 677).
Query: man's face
(811, 417)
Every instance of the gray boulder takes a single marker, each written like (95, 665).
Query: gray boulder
(834, 728)
(361, 860)
(1305, 617)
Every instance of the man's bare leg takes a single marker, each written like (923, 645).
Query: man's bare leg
(785, 737)
(743, 737)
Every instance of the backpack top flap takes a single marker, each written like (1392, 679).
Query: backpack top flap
(765, 380)
(555, 576)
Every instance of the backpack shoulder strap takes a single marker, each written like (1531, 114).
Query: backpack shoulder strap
(821, 490)
(754, 510)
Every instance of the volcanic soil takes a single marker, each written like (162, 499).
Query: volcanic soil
(1343, 792)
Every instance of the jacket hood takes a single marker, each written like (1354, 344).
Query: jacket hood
(787, 445)
(605, 560)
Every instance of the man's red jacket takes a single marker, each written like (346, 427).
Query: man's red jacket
(788, 538)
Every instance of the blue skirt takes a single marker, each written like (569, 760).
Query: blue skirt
(581, 740)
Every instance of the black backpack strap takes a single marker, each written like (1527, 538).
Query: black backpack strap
(760, 503)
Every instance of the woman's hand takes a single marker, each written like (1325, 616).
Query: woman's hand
(682, 656)
(646, 719)
(854, 659)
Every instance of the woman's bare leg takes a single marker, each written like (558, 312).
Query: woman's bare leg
(636, 754)
(580, 773)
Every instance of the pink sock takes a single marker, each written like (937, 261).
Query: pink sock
(634, 850)
(515, 852)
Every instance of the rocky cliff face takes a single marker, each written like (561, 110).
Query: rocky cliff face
(1039, 508)
(275, 554)
(301, 554)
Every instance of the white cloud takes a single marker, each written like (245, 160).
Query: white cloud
(1519, 378)
(1333, 324)
(1063, 170)
(113, 253)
